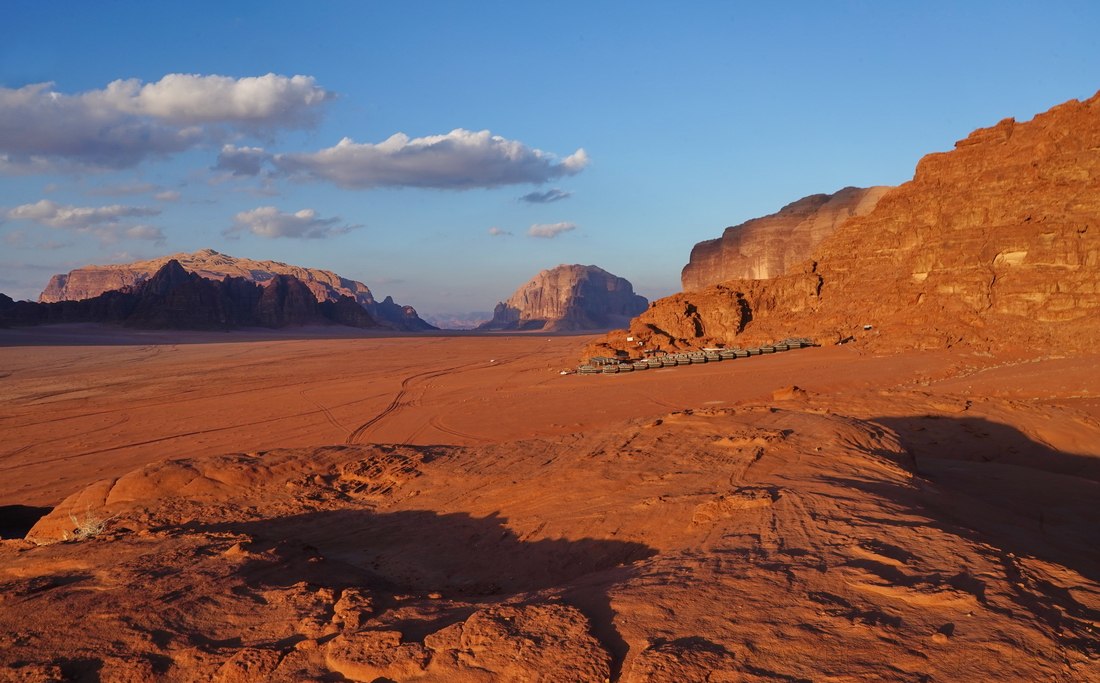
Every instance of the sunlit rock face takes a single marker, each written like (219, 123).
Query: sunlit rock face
(995, 244)
(569, 297)
(771, 246)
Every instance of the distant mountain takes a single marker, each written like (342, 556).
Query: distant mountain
(91, 281)
(459, 321)
(174, 298)
(569, 297)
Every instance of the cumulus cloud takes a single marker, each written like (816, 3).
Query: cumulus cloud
(241, 161)
(498, 232)
(108, 223)
(119, 126)
(459, 160)
(550, 230)
(192, 99)
(552, 195)
(269, 222)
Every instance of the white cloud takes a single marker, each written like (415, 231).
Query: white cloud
(42, 130)
(269, 222)
(498, 232)
(551, 195)
(167, 196)
(550, 230)
(459, 160)
(193, 99)
(105, 222)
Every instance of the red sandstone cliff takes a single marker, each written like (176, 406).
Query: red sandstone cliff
(993, 244)
(569, 297)
(768, 247)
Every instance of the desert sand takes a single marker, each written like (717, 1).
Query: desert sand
(340, 506)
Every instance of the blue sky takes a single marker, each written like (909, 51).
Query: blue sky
(650, 126)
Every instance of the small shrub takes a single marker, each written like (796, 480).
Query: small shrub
(90, 526)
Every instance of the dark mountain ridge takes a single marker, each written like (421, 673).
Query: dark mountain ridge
(174, 298)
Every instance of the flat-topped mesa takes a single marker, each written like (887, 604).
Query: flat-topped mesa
(91, 281)
(995, 244)
(173, 298)
(771, 246)
(569, 297)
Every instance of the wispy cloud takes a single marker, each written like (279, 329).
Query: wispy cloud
(241, 161)
(123, 189)
(459, 160)
(269, 222)
(549, 230)
(108, 223)
(42, 130)
(499, 232)
(552, 195)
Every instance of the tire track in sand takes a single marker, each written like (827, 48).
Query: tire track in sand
(398, 400)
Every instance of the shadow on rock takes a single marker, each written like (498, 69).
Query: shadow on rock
(450, 564)
(420, 551)
(994, 486)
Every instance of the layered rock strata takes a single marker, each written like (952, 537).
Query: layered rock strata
(771, 246)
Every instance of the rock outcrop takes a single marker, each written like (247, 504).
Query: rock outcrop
(569, 297)
(770, 246)
(995, 244)
(91, 281)
(174, 298)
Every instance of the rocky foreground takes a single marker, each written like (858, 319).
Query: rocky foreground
(933, 520)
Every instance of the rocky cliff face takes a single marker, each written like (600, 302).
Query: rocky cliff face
(173, 298)
(91, 281)
(993, 244)
(569, 297)
(771, 246)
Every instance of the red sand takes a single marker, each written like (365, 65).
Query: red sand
(928, 516)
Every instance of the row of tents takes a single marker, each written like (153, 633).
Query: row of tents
(604, 365)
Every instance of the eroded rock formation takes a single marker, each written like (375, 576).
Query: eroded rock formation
(993, 244)
(770, 246)
(569, 297)
(91, 281)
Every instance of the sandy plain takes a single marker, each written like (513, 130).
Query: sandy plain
(311, 506)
